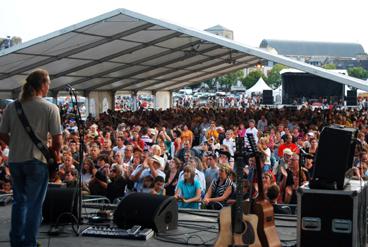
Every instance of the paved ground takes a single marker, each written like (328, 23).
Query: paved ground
(194, 229)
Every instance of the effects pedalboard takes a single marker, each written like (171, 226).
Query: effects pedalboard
(135, 232)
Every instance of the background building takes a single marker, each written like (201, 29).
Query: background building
(221, 31)
(343, 55)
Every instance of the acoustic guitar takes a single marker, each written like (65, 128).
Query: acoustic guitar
(263, 209)
(237, 228)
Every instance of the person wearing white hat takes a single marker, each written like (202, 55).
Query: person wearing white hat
(151, 167)
(282, 164)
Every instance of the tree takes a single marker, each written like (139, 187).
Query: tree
(211, 83)
(252, 78)
(329, 66)
(358, 72)
(230, 79)
(274, 77)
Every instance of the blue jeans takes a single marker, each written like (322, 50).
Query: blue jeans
(30, 179)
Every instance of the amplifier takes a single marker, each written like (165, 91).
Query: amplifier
(135, 232)
(332, 217)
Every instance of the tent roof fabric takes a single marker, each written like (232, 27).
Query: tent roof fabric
(125, 50)
(258, 87)
(309, 48)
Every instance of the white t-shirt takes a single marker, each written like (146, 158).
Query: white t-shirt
(253, 131)
(267, 156)
(120, 150)
(230, 144)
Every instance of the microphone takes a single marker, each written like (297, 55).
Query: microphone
(301, 149)
(303, 152)
(69, 87)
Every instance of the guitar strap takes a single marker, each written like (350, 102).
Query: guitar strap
(27, 127)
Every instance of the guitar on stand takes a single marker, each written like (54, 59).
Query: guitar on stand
(237, 228)
(262, 208)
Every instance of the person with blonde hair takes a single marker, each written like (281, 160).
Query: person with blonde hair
(220, 189)
(266, 153)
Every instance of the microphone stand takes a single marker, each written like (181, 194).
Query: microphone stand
(303, 154)
(81, 147)
(301, 162)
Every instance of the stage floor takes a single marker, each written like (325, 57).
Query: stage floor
(195, 228)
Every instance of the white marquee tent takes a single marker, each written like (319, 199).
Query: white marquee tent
(126, 51)
(258, 87)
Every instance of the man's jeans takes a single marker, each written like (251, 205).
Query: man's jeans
(30, 180)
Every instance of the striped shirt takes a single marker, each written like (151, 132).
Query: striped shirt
(219, 189)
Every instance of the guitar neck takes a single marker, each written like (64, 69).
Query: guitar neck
(239, 188)
(261, 195)
(237, 209)
(256, 153)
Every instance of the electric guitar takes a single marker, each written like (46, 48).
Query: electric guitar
(263, 209)
(53, 163)
(237, 228)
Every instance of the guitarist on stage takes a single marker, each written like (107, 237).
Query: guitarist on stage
(28, 167)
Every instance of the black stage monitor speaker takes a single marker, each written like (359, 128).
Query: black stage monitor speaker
(267, 97)
(334, 157)
(351, 97)
(149, 211)
(60, 205)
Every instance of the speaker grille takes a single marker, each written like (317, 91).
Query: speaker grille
(150, 211)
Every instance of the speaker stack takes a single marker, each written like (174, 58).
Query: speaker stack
(351, 97)
(334, 157)
(267, 97)
(330, 211)
(149, 211)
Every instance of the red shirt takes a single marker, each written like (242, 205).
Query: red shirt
(293, 147)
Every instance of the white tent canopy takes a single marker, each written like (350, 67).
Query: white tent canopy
(258, 87)
(126, 51)
(277, 95)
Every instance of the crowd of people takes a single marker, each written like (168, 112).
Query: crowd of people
(190, 153)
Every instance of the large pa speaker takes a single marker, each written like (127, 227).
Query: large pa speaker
(267, 97)
(149, 211)
(60, 206)
(351, 97)
(267, 93)
(334, 157)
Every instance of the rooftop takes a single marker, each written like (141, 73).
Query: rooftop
(313, 48)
